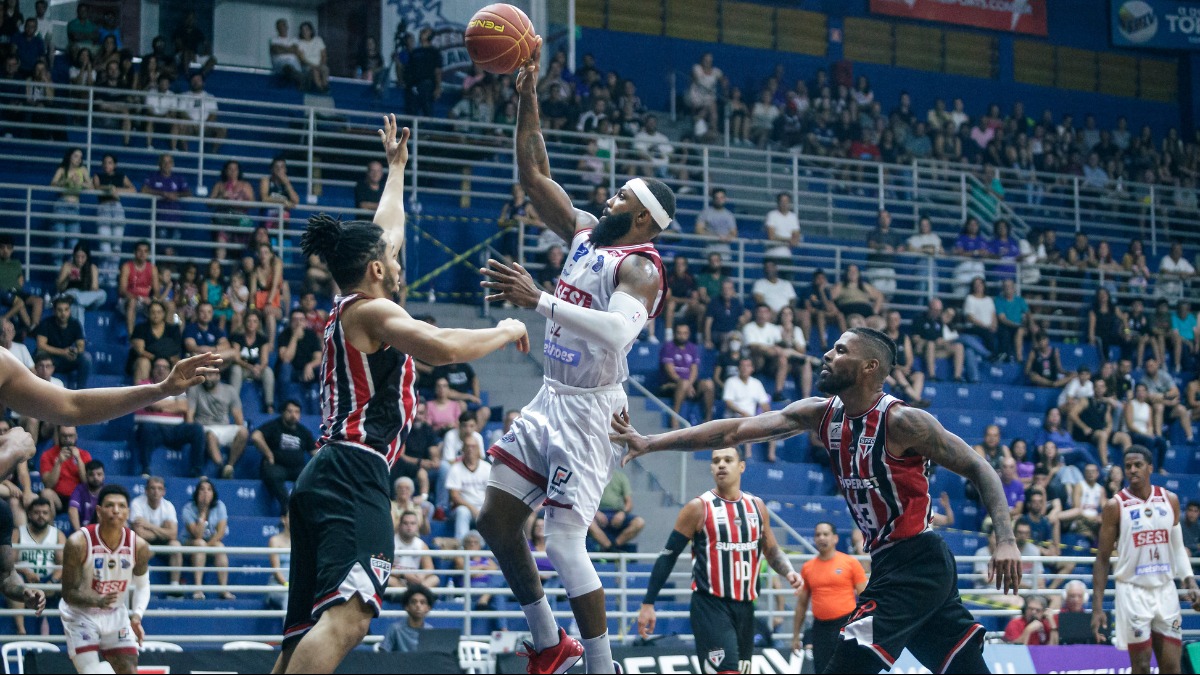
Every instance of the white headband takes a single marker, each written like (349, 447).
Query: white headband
(648, 200)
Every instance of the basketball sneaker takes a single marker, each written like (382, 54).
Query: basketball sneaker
(557, 659)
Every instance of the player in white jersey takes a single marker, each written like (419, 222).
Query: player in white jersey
(105, 566)
(558, 453)
(1143, 522)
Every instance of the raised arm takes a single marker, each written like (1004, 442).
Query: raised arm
(915, 431)
(533, 165)
(801, 416)
(390, 213)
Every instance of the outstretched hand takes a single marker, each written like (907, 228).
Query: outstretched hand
(527, 76)
(512, 283)
(1005, 568)
(624, 434)
(190, 372)
(395, 145)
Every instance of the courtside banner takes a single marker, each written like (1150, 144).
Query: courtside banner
(1155, 24)
(1081, 659)
(1012, 16)
(211, 661)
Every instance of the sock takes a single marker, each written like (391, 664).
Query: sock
(597, 654)
(541, 623)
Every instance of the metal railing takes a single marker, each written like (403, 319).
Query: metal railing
(622, 575)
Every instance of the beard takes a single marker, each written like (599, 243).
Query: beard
(832, 384)
(611, 228)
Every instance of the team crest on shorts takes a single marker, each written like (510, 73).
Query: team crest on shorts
(381, 568)
(1137, 632)
(716, 656)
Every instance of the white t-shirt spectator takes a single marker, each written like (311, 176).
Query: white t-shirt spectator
(1074, 390)
(655, 145)
(197, 105)
(162, 103)
(918, 242)
(767, 334)
(452, 445)
(1172, 287)
(140, 510)
(982, 309)
(775, 295)
(747, 396)
(471, 485)
(288, 58)
(19, 350)
(780, 227)
(310, 50)
(406, 559)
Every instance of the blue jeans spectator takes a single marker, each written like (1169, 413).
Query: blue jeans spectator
(307, 393)
(464, 522)
(1156, 444)
(149, 436)
(74, 373)
(67, 220)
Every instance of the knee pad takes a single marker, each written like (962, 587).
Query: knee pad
(566, 547)
(90, 662)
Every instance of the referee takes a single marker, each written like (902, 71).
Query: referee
(729, 531)
(832, 581)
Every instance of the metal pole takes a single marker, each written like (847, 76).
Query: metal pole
(916, 185)
(521, 242)
(671, 88)
(154, 230)
(1153, 221)
(879, 181)
(28, 226)
(829, 208)
(312, 133)
(704, 156)
(279, 230)
(962, 190)
(741, 266)
(516, 174)
(683, 462)
(1075, 192)
(571, 35)
(795, 181)
(416, 156)
(90, 112)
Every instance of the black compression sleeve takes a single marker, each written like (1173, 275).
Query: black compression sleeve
(665, 563)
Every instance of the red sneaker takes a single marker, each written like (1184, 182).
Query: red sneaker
(557, 659)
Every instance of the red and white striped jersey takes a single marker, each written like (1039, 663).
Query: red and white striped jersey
(367, 400)
(108, 570)
(1144, 544)
(725, 552)
(888, 495)
(588, 279)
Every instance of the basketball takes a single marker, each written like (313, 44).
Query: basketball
(499, 38)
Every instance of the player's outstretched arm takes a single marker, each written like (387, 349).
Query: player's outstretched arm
(533, 164)
(74, 589)
(910, 429)
(1110, 523)
(801, 416)
(32, 396)
(385, 321)
(390, 213)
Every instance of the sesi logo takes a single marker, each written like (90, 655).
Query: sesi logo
(489, 25)
(569, 293)
(1149, 538)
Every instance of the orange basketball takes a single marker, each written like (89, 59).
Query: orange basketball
(499, 38)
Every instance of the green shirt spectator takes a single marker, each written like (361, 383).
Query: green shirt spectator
(615, 493)
(1014, 310)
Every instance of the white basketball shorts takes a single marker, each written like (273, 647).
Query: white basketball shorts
(107, 632)
(1141, 611)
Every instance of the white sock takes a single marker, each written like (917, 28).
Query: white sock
(597, 654)
(541, 623)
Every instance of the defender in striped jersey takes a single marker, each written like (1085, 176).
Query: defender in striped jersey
(880, 451)
(340, 509)
(729, 530)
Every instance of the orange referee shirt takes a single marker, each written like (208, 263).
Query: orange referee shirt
(831, 583)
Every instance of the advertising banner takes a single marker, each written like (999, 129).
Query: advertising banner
(1081, 659)
(212, 661)
(1155, 24)
(1013, 16)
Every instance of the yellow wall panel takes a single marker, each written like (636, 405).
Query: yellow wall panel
(801, 32)
(635, 16)
(748, 25)
(693, 20)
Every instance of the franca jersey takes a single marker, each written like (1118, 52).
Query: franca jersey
(1144, 544)
(367, 400)
(588, 279)
(725, 552)
(888, 495)
(108, 570)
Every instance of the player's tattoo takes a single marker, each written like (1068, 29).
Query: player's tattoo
(796, 418)
(919, 432)
(778, 561)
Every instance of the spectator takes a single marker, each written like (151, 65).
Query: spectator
(43, 367)
(883, 244)
(1142, 424)
(79, 280)
(411, 567)
(1053, 431)
(280, 540)
(151, 340)
(1173, 271)
(1191, 528)
(232, 187)
(369, 189)
(763, 340)
(1031, 627)
(63, 469)
(973, 246)
(855, 296)
(1043, 367)
(405, 636)
(23, 304)
(83, 69)
(214, 405)
(1184, 336)
(169, 187)
(37, 566)
(1044, 532)
(454, 439)
(250, 356)
(18, 349)
(793, 347)
(679, 361)
(72, 178)
(1032, 573)
(903, 376)
(110, 98)
(28, 46)
(62, 338)
(204, 337)
(153, 518)
(475, 106)
(466, 483)
(1106, 325)
(615, 524)
(653, 148)
(299, 359)
(423, 76)
(162, 112)
(708, 282)
(206, 520)
(269, 293)
(783, 228)
(444, 412)
(190, 43)
(744, 396)
(285, 55)
(464, 387)
(81, 32)
(596, 204)
(1087, 499)
(371, 66)
(285, 445)
(818, 304)
(547, 276)
(1014, 489)
(717, 220)
(1139, 331)
(198, 111)
(405, 498)
(682, 300)
(1078, 390)
(422, 456)
(1164, 396)
(81, 509)
(706, 90)
(311, 48)
(992, 449)
(771, 291)
(1093, 422)
(979, 310)
(929, 338)
(1011, 314)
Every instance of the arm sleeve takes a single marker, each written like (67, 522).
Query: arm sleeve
(613, 329)
(1180, 559)
(663, 566)
(141, 594)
